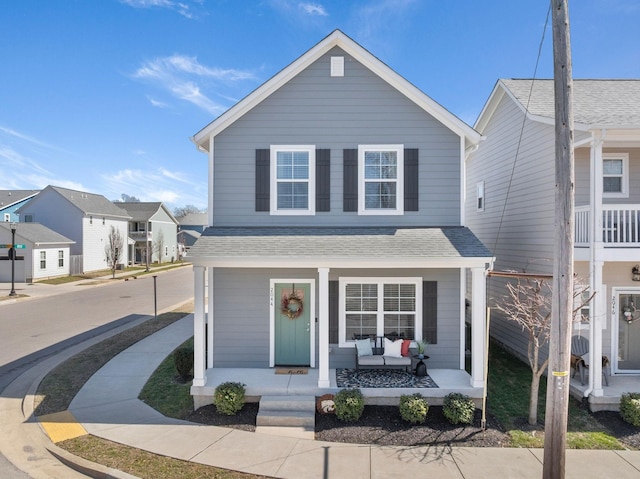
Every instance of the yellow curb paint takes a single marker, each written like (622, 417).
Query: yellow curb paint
(61, 426)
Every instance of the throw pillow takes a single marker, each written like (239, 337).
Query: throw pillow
(393, 349)
(364, 347)
(405, 347)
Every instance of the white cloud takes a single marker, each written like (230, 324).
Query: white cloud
(156, 184)
(313, 9)
(157, 103)
(183, 8)
(180, 74)
(376, 18)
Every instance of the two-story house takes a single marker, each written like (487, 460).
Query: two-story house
(153, 232)
(11, 201)
(510, 207)
(190, 228)
(336, 187)
(85, 218)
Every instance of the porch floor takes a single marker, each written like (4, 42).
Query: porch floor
(263, 382)
(610, 399)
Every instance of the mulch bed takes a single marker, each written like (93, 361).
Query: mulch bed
(380, 425)
(617, 427)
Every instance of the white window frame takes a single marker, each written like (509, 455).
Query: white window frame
(399, 209)
(311, 181)
(7, 217)
(43, 259)
(380, 282)
(625, 175)
(480, 196)
(60, 258)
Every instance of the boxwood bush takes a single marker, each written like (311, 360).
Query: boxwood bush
(458, 408)
(630, 408)
(413, 408)
(349, 404)
(183, 359)
(229, 398)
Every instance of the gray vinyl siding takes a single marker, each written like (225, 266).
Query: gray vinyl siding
(242, 325)
(336, 113)
(525, 220)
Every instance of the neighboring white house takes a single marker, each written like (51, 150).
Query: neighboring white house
(45, 253)
(85, 218)
(153, 230)
(510, 207)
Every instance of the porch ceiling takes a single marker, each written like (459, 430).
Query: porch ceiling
(452, 247)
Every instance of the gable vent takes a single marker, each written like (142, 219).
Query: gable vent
(337, 66)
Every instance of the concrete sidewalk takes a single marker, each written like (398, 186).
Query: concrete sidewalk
(107, 406)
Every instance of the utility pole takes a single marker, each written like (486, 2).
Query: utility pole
(555, 438)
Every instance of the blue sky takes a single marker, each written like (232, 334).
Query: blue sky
(103, 95)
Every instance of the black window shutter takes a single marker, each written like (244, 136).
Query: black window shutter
(350, 180)
(334, 311)
(263, 180)
(323, 180)
(411, 179)
(430, 311)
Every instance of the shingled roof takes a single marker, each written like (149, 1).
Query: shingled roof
(90, 203)
(596, 103)
(37, 234)
(11, 197)
(314, 245)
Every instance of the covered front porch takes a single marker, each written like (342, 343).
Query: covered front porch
(265, 382)
(610, 398)
(438, 275)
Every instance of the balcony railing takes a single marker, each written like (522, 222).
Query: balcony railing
(620, 225)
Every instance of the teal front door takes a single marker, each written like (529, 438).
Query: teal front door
(292, 324)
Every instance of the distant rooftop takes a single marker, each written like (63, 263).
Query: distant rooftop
(11, 197)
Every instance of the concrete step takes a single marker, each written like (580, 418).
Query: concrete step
(292, 416)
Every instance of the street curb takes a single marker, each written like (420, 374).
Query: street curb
(70, 460)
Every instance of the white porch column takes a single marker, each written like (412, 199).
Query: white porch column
(597, 310)
(597, 315)
(323, 327)
(199, 376)
(209, 290)
(478, 326)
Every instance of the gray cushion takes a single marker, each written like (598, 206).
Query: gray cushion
(402, 361)
(371, 360)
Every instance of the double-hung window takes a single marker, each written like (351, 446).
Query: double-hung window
(60, 258)
(43, 260)
(293, 180)
(372, 307)
(381, 179)
(615, 175)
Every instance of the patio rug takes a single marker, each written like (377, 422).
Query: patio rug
(381, 378)
(292, 370)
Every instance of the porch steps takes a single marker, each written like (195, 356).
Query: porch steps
(292, 416)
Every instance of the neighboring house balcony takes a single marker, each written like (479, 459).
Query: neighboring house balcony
(141, 235)
(620, 229)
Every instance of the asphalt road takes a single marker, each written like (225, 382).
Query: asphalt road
(35, 329)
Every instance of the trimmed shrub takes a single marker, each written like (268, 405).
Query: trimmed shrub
(183, 359)
(413, 408)
(349, 404)
(458, 408)
(229, 398)
(630, 408)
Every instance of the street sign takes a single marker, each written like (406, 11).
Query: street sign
(17, 246)
(5, 246)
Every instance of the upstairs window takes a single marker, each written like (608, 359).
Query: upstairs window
(381, 179)
(615, 175)
(293, 180)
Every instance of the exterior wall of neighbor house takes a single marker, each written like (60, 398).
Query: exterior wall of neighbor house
(55, 212)
(337, 113)
(164, 227)
(242, 314)
(51, 266)
(11, 211)
(519, 204)
(96, 229)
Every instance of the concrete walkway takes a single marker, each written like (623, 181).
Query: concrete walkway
(107, 406)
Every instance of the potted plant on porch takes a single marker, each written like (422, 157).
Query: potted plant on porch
(421, 347)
